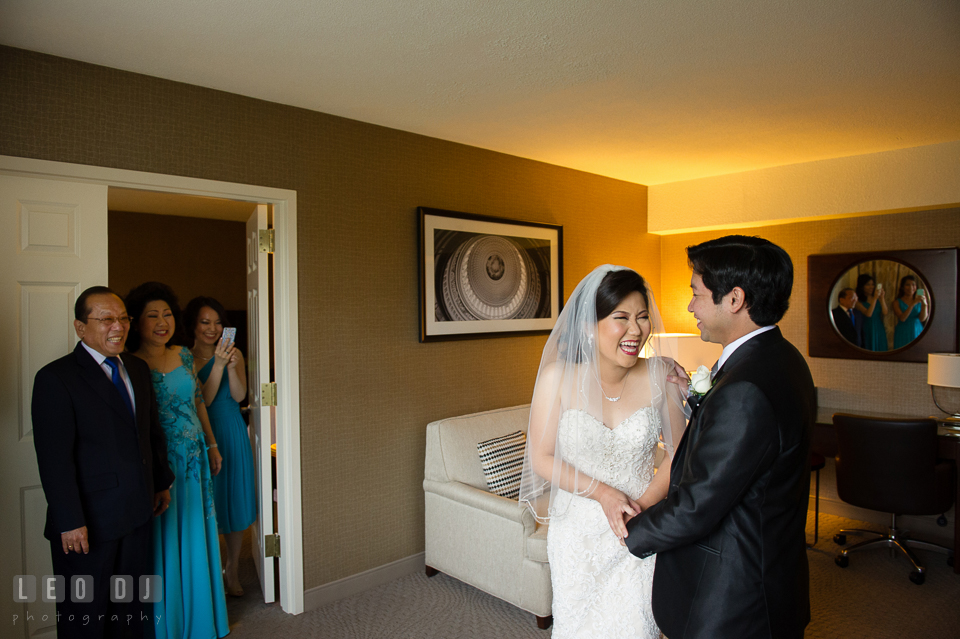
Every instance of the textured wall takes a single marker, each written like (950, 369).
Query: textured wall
(367, 387)
(898, 387)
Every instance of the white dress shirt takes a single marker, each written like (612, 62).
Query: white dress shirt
(100, 359)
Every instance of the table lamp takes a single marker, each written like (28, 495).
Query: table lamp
(943, 369)
(689, 350)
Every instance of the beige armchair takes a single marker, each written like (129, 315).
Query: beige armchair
(480, 538)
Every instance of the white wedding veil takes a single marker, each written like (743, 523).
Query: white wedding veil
(569, 380)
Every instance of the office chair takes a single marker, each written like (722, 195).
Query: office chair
(891, 465)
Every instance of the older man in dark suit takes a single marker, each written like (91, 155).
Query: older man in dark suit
(103, 465)
(729, 537)
(846, 319)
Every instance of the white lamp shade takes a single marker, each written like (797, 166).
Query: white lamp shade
(689, 350)
(943, 369)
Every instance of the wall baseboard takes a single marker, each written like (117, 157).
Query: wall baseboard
(354, 584)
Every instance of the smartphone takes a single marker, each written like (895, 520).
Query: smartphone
(921, 293)
(229, 335)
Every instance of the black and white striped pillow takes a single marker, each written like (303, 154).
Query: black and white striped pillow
(502, 461)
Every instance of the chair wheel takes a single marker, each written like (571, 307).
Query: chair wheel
(839, 539)
(843, 561)
(917, 578)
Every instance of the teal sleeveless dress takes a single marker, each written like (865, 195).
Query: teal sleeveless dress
(874, 332)
(185, 541)
(906, 332)
(234, 488)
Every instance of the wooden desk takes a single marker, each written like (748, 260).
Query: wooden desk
(825, 443)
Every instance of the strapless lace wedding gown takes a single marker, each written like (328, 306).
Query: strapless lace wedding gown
(600, 590)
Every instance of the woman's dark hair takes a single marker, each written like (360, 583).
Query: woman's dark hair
(138, 298)
(862, 280)
(761, 268)
(615, 287)
(903, 283)
(192, 312)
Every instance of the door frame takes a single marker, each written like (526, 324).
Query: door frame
(286, 335)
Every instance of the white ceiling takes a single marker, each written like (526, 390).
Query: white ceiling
(649, 91)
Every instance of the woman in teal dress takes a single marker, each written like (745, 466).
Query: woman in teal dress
(186, 549)
(911, 311)
(871, 308)
(224, 379)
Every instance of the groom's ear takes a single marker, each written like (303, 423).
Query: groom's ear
(736, 300)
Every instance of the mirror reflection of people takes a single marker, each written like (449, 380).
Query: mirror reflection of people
(186, 548)
(844, 318)
(870, 309)
(220, 368)
(911, 309)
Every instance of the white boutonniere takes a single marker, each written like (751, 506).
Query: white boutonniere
(700, 382)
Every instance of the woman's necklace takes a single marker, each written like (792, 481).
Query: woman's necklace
(617, 398)
(202, 359)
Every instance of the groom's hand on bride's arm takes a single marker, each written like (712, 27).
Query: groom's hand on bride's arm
(680, 378)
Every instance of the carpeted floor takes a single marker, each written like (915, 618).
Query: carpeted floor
(872, 599)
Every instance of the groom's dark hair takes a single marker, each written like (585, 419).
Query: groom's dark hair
(761, 268)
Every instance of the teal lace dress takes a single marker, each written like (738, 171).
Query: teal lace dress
(185, 541)
(234, 489)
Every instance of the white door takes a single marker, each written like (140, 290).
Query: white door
(55, 247)
(258, 358)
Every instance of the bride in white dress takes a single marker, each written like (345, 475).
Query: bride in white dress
(599, 412)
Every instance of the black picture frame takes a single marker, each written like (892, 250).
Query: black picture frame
(937, 267)
(483, 276)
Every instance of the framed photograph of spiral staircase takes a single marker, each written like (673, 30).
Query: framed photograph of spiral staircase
(483, 276)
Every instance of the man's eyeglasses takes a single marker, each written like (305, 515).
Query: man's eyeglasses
(110, 321)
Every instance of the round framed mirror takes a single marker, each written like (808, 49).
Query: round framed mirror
(880, 305)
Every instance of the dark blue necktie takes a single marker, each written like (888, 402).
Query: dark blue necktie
(852, 320)
(114, 364)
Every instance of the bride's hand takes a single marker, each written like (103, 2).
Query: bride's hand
(617, 507)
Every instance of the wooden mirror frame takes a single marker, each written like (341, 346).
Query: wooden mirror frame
(937, 267)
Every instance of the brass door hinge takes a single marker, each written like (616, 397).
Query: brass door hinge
(271, 545)
(268, 394)
(267, 241)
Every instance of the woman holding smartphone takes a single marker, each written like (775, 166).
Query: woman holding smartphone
(911, 311)
(222, 373)
(871, 307)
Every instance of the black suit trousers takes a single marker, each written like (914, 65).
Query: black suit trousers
(129, 555)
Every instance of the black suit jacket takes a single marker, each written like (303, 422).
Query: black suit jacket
(853, 334)
(99, 467)
(729, 537)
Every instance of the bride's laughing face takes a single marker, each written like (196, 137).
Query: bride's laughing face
(623, 333)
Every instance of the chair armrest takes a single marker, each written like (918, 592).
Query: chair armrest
(483, 500)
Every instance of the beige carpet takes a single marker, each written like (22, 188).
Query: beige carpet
(871, 599)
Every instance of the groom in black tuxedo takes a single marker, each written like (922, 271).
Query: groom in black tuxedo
(729, 537)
